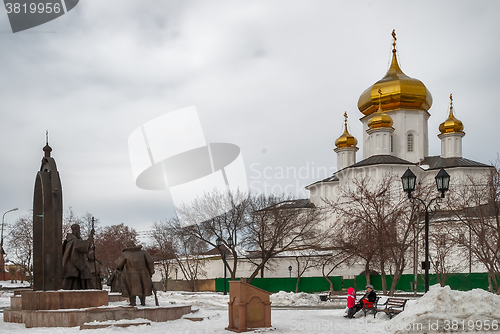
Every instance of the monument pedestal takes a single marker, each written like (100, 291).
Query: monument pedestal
(249, 307)
(62, 299)
(78, 307)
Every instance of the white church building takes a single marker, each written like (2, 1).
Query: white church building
(395, 114)
(395, 122)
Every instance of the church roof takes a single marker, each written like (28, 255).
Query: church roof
(452, 124)
(332, 178)
(373, 160)
(346, 139)
(437, 162)
(290, 204)
(399, 90)
(381, 160)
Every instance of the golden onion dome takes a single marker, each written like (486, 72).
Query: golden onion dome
(451, 124)
(400, 91)
(346, 139)
(380, 119)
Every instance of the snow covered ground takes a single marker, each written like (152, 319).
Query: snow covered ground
(441, 310)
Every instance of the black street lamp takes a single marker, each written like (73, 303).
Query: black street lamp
(176, 270)
(290, 270)
(218, 242)
(442, 183)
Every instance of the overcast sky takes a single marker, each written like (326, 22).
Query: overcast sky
(273, 77)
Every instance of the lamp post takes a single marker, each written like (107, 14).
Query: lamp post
(218, 242)
(176, 273)
(442, 183)
(290, 270)
(2, 267)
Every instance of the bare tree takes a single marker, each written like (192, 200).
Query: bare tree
(87, 222)
(162, 250)
(446, 257)
(305, 260)
(264, 225)
(378, 224)
(217, 216)
(20, 243)
(278, 224)
(334, 260)
(187, 249)
(110, 241)
(476, 208)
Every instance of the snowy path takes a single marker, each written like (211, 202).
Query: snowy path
(470, 312)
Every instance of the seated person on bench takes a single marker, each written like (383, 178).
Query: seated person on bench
(368, 299)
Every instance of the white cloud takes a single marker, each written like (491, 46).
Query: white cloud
(274, 75)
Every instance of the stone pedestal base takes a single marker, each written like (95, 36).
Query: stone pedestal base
(72, 318)
(75, 308)
(63, 299)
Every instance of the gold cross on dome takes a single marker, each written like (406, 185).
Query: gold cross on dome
(394, 39)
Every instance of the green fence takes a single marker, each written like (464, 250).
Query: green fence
(275, 284)
(463, 282)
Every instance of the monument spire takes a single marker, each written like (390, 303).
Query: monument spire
(47, 149)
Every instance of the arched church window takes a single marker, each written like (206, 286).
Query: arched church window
(410, 142)
(392, 144)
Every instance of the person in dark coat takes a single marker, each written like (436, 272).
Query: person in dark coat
(369, 297)
(76, 274)
(137, 268)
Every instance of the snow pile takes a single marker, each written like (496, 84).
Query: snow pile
(283, 298)
(445, 310)
(5, 298)
(18, 284)
(119, 322)
(209, 300)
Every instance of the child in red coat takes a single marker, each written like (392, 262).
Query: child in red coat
(351, 300)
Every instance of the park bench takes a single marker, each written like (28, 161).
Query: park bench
(370, 307)
(392, 307)
(324, 298)
(331, 295)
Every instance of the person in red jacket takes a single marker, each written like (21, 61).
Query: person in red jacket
(351, 300)
(369, 298)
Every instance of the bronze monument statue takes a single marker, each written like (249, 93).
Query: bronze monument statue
(115, 281)
(76, 273)
(137, 268)
(95, 268)
(47, 225)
